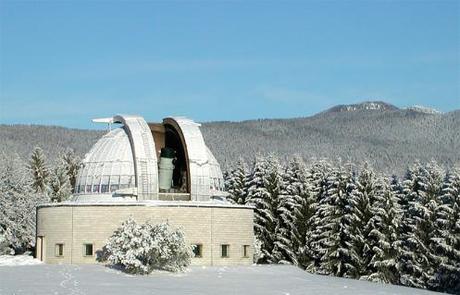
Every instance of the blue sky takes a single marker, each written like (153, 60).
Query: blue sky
(63, 63)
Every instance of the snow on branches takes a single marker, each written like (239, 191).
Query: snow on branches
(140, 248)
(342, 220)
(18, 207)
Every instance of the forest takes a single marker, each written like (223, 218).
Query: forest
(334, 218)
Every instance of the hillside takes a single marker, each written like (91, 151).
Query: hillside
(382, 134)
(22, 139)
(389, 138)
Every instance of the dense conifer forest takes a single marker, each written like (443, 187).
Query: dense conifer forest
(336, 218)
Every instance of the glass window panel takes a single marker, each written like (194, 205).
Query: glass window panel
(113, 187)
(104, 188)
(88, 250)
(197, 250)
(225, 251)
(245, 251)
(59, 250)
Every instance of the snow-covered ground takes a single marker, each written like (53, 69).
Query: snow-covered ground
(9, 260)
(97, 279)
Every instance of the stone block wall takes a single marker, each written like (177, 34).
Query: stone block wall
(75, 225)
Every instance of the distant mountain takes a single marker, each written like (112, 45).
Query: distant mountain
(387, 137)
(422, 109)
(367, 106)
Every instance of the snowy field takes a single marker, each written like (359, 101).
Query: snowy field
(8, 260)
(97, 279)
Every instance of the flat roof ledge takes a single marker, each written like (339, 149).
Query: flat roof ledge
(149, 203)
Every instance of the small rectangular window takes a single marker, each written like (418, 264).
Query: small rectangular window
(88, 250)
(197, 250)
(245, 251)
(59, 250)
(225, 251)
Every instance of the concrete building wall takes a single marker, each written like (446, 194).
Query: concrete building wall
(73, 226)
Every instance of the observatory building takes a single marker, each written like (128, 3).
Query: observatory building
(147, 171)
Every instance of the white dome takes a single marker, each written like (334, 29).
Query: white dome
(124, 163)
(108, 166)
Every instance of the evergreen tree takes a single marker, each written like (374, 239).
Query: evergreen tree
(419, 259)
(18, 207)
(319, 173)
(263, 194)
(335, 215)
(235, 183)
(362, 199)
(300, 218)
(39, 170)
(59, 188)
(71, 163)
(386, 244)
(447, 275)
(293, 213)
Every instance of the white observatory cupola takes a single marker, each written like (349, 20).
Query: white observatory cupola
(149, 161)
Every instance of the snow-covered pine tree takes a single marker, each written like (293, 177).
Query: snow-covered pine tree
(5, 248)
(282, 250)
(39, 170)
(303, 215)
(263, 194)
(71, 163)
(59, 188)
(334, 210)
(447, 275)
(297, 207)
(235, 182)
(422, 190)
(386, 244)
(362, 199)
(18, 203)
(319, 172)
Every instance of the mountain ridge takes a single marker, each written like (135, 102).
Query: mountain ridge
(366, 105)
(388, 138)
